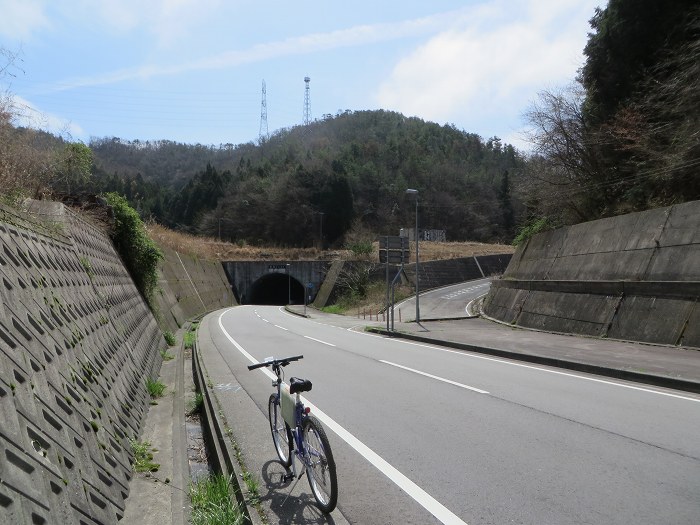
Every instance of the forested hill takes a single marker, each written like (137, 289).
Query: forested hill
(336, 177)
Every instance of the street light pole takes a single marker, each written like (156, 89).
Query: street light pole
(289, 285)
(321, 247)
(414, 192)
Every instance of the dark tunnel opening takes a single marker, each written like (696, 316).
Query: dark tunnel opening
(276, 289)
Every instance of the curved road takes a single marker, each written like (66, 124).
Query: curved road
(448, 302)
(424, 434)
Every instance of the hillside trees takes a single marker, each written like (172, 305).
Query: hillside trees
(320, 179)
(624, 137)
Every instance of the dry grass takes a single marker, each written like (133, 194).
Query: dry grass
(212, 249)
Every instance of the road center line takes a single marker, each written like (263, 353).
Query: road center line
(449, 381)
(437, 509)
(282, 328)
(319, 341)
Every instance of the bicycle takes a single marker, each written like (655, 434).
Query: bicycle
(297, 434)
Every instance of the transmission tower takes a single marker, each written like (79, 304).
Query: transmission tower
(307, 102)
(264, 132)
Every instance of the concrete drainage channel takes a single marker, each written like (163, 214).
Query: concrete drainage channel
(197, 450)
(221, 457)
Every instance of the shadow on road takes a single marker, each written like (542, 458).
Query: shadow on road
(299, 507)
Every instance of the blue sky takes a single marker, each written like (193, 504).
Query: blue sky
(192, 70)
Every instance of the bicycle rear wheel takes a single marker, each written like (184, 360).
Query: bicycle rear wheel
(320, 465)
(281, 435)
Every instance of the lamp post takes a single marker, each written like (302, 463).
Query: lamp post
(321, 247)
(223, 219)
(289, 285)
(414, 192)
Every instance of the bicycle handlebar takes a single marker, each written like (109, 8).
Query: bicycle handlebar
(276, 362)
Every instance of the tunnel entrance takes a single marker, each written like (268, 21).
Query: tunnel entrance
(276, 289)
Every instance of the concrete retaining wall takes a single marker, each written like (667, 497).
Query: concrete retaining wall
(189, 287)
(77, 342)
(634, 277)
(434, 274)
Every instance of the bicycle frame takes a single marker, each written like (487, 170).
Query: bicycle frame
(304, 437)
(296, 425)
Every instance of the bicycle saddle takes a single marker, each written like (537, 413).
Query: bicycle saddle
(299, 385)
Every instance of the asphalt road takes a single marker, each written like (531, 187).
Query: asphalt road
(427, 435)
(449, 302)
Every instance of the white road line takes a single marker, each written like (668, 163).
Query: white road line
(467, 353)
(435, 377)
(319, 341)
(282, 328)
(437, 509)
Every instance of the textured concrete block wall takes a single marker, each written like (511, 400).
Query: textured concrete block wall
(632, 277)
(77, 343)
(434, 274)
(188, 287)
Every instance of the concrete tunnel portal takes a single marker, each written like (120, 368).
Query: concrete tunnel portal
(275, 282)
(276, 289)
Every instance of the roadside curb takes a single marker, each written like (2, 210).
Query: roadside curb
(628, 375)
(291, 311)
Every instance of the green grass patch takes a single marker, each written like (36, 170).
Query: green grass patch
(194, 406)
(167, 356)
(143, 456)
(253, 488)
(190, 336)
(533, 227)
(333, 309)
(155, 388)
(170, 338)
(212, 504)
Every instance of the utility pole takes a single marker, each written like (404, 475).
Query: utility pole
(264, 132)
(414, 192)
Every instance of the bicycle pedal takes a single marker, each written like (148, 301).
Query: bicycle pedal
(286, 478)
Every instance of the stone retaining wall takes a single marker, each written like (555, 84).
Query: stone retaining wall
(634, 277)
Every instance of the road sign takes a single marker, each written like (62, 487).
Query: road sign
(394, 256)
(393, 242)
(393, 249)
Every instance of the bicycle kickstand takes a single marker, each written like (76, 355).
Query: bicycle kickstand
(293, 484)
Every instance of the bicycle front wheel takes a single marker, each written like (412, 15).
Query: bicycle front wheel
(281, 435)
(320, 465)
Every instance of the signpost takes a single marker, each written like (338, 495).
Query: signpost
(393, 250)
(307, 294)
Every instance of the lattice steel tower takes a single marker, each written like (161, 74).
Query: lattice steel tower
(264, 132)
(307, 102)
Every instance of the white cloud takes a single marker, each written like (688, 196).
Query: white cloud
(168, 21)
(20, 19)
(28, 115)
(491, 65)
(310, 43)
